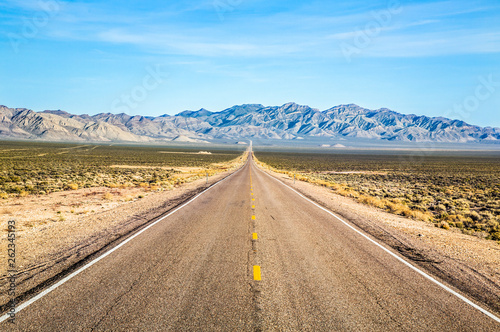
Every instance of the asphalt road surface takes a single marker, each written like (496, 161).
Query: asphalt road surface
(199, 270)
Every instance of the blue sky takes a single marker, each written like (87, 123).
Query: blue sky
(436, 58)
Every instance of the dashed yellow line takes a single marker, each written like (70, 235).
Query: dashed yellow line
(256, 272)
(256, 268)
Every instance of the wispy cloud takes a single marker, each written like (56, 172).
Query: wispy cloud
(437, 44)
(423, 29)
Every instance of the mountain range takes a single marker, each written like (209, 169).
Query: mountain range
(290, 121)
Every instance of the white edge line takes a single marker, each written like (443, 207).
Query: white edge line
(89, 264)
(461, 297)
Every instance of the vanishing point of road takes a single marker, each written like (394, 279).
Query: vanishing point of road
(249, 254)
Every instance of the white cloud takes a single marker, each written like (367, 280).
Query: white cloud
(419, 30)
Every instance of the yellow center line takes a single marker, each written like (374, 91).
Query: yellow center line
(253, 217)
(253, 206)
(256, 272)
(253, 199)
(251, 194)
(254, 236)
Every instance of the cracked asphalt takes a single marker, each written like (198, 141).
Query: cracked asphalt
(193, 271)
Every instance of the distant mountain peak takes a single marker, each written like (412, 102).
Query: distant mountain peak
(199, 113)
(290, 104)
(57, 112)
(240, 122)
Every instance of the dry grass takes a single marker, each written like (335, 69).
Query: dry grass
(34, 211)
(461, 192)
(43, 168)
(372, 201)
(71, 186)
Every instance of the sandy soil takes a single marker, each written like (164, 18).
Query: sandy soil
(469, 263)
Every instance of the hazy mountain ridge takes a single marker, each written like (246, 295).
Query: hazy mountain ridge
(289, 121)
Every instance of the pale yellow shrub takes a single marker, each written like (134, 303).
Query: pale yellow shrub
(372, 201)
(72, 186)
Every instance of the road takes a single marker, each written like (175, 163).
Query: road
(196, 270)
